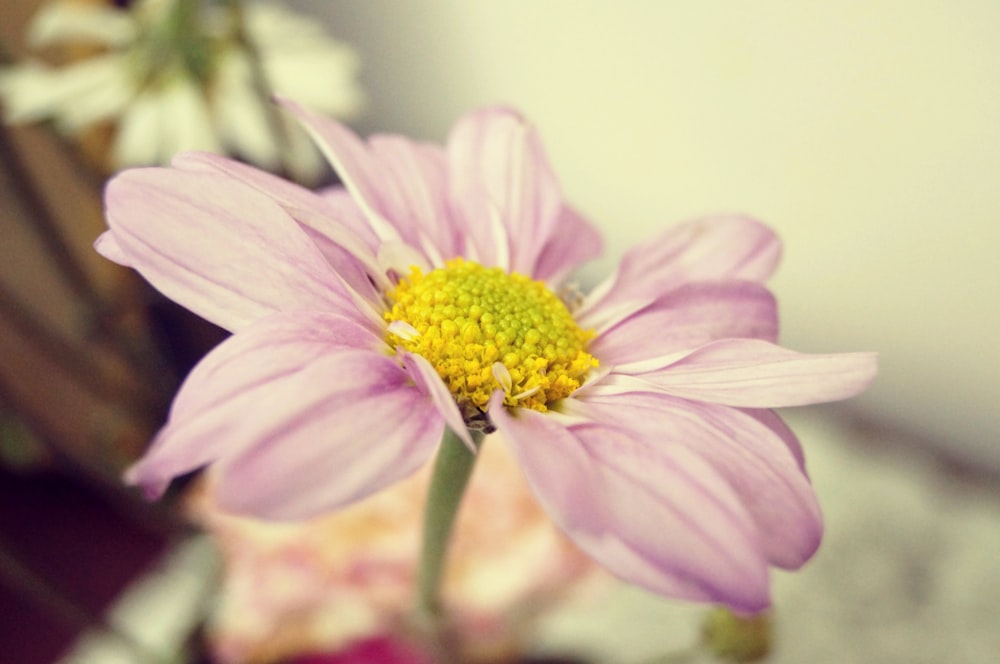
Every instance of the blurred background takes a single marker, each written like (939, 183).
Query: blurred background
(866, 133)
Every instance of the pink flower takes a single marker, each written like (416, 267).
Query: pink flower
(420, 296)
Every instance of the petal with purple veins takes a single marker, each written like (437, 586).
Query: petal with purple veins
(751, 373)
(688, 317)
(658, 517)
(755, 461)
(221, 248)
(709, 249)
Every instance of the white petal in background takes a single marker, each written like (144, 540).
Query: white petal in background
(68, 22)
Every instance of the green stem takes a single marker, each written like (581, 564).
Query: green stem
(452, 470)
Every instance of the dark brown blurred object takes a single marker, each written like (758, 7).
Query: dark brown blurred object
(89, 359)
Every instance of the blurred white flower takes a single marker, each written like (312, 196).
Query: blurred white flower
(174, 75)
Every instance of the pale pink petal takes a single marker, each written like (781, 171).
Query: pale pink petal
(360, 172)
(498, 170)
(573, 242)
(429, 382)
(107, 246)
(400, 185)
(359, 425)
(337, 226)
(351, 260)
(687, 317)
(235, 380)
(414, 192)
(656, 516)
(284, 192)
(773, 421)
(756, 462)
(222, 249)
(709, 249)
(347, 213)
(756, 374)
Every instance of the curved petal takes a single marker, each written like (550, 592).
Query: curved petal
(347, 212)
(498, 169)
(107, 246)
(300, 415)
(687, 317)
(756, 374)
(347, 439)
(400, 185)
(414, 192)
(219, 247)
(709, 249)
(335, 225)
(573, 242)
(430, 383)
(658, 517)
(773, 421)
(234, 381)
(755, 461)
(351, 158)
(287, 194)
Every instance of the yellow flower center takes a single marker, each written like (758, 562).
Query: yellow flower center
(483, 329)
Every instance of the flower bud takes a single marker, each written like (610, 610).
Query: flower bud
(737, 638)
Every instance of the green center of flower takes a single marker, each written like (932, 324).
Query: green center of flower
(483, 329)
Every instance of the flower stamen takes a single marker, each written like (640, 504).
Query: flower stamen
(483, 329)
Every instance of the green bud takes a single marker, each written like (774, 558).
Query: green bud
(735, 638)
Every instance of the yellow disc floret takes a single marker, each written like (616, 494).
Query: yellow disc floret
(483, 329)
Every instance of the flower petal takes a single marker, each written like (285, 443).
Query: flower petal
(318, 420)
(234, 380)
(772, 421)
(658, 517)
(574, 241)
(285, 193)
(107, 246)
(57, 22)
(399, 184)
(757, 374)
(414, 192)
(429, 382)
(345, 443)
(333, 223)
(687, 317)
(219, 247)
(756, 462)
(353, 162)
(709, 249)
(498, 169)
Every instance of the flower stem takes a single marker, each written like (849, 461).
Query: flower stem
(452, 470)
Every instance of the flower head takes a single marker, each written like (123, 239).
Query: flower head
(174, 75)
(423, 295)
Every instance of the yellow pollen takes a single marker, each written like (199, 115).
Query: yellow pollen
(483, 329)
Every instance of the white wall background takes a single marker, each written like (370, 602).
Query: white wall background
(867, 133)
